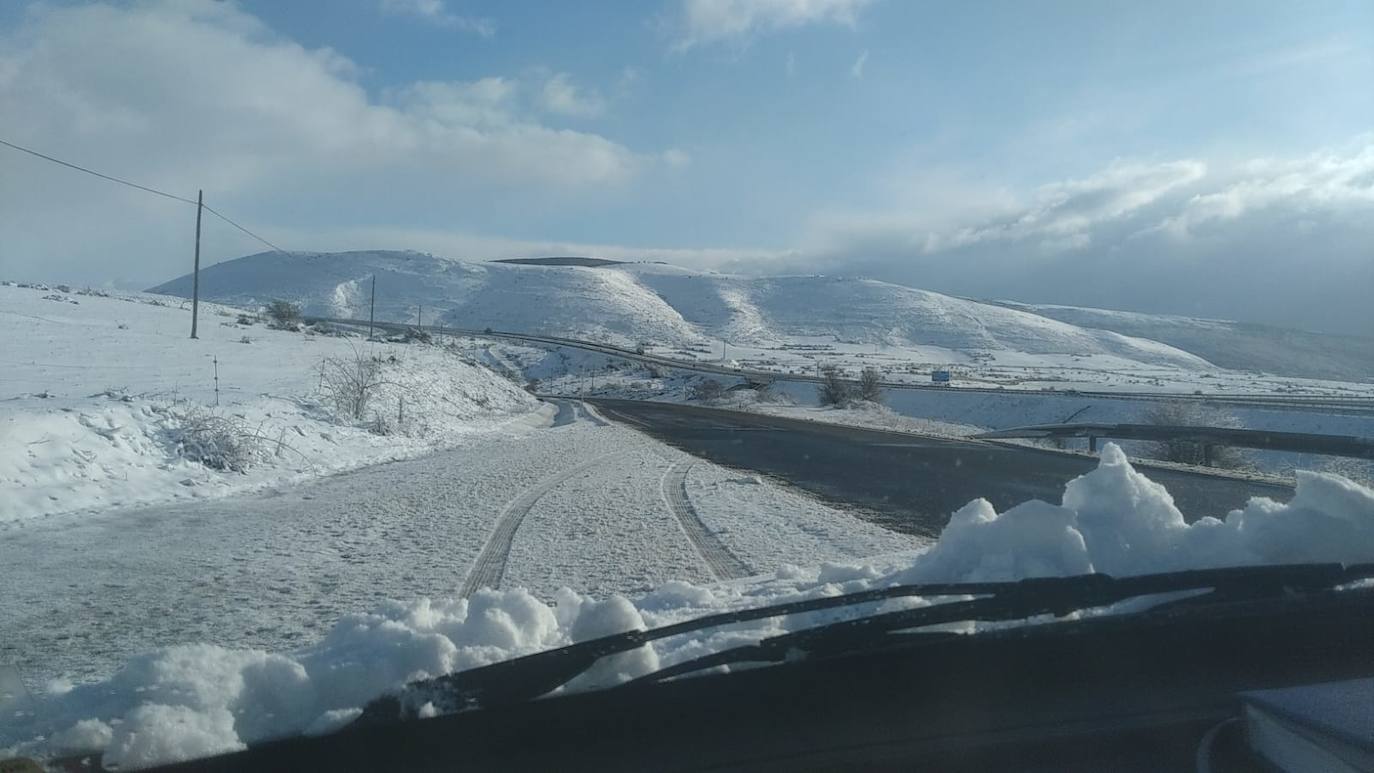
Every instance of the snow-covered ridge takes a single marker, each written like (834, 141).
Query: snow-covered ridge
(193, 700)
(1230, 344)
(630, 303)
(98, 391)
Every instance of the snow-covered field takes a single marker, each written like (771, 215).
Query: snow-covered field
(100, 398)
(196, 699)
(788, 324)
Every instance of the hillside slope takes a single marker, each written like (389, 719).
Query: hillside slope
(106, 403)
(627, 303)
(1235, 345)
(594, 303)
(774, 309)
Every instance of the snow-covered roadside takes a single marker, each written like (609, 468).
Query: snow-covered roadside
(195, 700)
(103, 397)
(941, 413)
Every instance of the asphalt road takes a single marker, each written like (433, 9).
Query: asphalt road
(906, 482)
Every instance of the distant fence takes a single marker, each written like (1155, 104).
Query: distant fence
(1207, 437)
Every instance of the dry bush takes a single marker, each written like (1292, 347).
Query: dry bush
(1189, 413)
(871, 385)
(834, 389)
(283, 315)
(218, 442)
(349, 382)
(706, 389)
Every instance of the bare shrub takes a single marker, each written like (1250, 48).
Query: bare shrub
(766, 393)
(871, 385)
(218, 442)
(350, 382)
(706, 389)
(283, 315)
(411, 335)
(1188, 413)
(834, 389)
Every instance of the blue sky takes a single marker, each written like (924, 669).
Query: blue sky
(1136, 155)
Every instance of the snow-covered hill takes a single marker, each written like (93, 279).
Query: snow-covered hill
(1227, 344)
(627, 303)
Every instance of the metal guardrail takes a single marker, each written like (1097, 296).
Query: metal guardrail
(1207, 437)
(1361, 405)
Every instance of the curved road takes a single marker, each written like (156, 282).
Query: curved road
(906, 482)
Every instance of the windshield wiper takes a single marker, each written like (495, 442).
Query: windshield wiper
(531, 676)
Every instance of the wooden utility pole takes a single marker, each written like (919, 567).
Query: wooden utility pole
(195, 273)
(372, 308)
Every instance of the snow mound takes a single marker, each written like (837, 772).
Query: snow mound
(200, 699)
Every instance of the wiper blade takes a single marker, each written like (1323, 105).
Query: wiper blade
(1029, 599)
(534, 675)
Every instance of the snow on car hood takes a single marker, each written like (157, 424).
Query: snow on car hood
(192, 700)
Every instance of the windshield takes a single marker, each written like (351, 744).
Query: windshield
(344, 350)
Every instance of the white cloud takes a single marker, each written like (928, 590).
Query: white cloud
(1321, 181)
(1285, 241)
(704, 22)
(676, 158)
(435, 12)
(273, 131)
(560, 95)
(1055, 216)
(856, 70)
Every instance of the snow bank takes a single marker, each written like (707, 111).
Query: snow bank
(99, 391)
(190, 700)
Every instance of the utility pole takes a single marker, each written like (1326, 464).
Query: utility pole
(195, 273)
(420, 318)
(372, 308)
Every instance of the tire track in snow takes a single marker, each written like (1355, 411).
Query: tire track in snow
(722, 563)
(490, 566)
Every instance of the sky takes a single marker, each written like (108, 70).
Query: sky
(1210, 159)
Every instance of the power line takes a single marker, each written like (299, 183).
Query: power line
(164, 194)
(97, 174)
(241, 228)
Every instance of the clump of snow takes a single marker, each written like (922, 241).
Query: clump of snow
(154, 734)
(1118, 521)
(192, 700)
